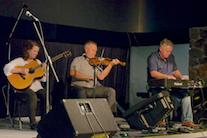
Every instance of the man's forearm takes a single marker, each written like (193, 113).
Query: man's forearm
(79, 75)
(105, 72)
(158, 75)
(177, 74)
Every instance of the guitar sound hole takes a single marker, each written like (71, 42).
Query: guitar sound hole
(31, 70)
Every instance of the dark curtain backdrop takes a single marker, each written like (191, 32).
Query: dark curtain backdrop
(118, 77)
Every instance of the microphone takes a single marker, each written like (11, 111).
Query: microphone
(25, 6)
(30, 15)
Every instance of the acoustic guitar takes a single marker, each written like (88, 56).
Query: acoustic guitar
(22, 82)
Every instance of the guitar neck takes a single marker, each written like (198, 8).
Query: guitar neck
(60, 55)
(57, 57)
(37, 67)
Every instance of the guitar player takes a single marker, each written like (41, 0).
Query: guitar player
(161, 65)
(35, 89)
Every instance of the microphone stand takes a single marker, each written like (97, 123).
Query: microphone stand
(51, 65)
(94, 77)
(9, 59)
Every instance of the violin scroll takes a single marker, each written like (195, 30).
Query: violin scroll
(122, 63)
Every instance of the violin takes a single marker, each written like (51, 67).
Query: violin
(103, 61)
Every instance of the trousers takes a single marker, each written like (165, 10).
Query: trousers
(99, 92)
(31, 97)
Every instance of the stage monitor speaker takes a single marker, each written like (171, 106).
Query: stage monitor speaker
(149, 112)
(79, 118)
(199, 105)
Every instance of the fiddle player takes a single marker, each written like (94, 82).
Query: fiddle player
(35, 91)
(161, 65)
(82, 73)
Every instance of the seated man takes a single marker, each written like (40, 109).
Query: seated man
(82, 83)
(161, 65)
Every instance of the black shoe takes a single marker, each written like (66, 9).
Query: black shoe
(33, 126)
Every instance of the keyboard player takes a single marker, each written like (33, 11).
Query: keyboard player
(161, 65)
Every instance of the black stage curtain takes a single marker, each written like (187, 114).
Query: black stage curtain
(118, 77)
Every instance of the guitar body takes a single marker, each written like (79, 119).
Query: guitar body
(22, 82)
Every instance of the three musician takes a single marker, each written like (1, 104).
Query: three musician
(161, 65)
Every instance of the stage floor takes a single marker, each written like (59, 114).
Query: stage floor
(7, 131)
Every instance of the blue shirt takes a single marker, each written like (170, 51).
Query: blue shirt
(156, 63)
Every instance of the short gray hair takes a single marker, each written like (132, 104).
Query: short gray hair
(166, 42)
(86, 45)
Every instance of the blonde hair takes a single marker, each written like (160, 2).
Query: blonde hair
(165, 42)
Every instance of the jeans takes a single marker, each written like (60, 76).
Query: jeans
(180, 95)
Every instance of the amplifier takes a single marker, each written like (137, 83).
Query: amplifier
(149, 112)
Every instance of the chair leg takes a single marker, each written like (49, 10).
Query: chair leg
(20, 121)
(17, 109)
(14, 111)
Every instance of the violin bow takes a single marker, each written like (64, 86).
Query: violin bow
(101, 57)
